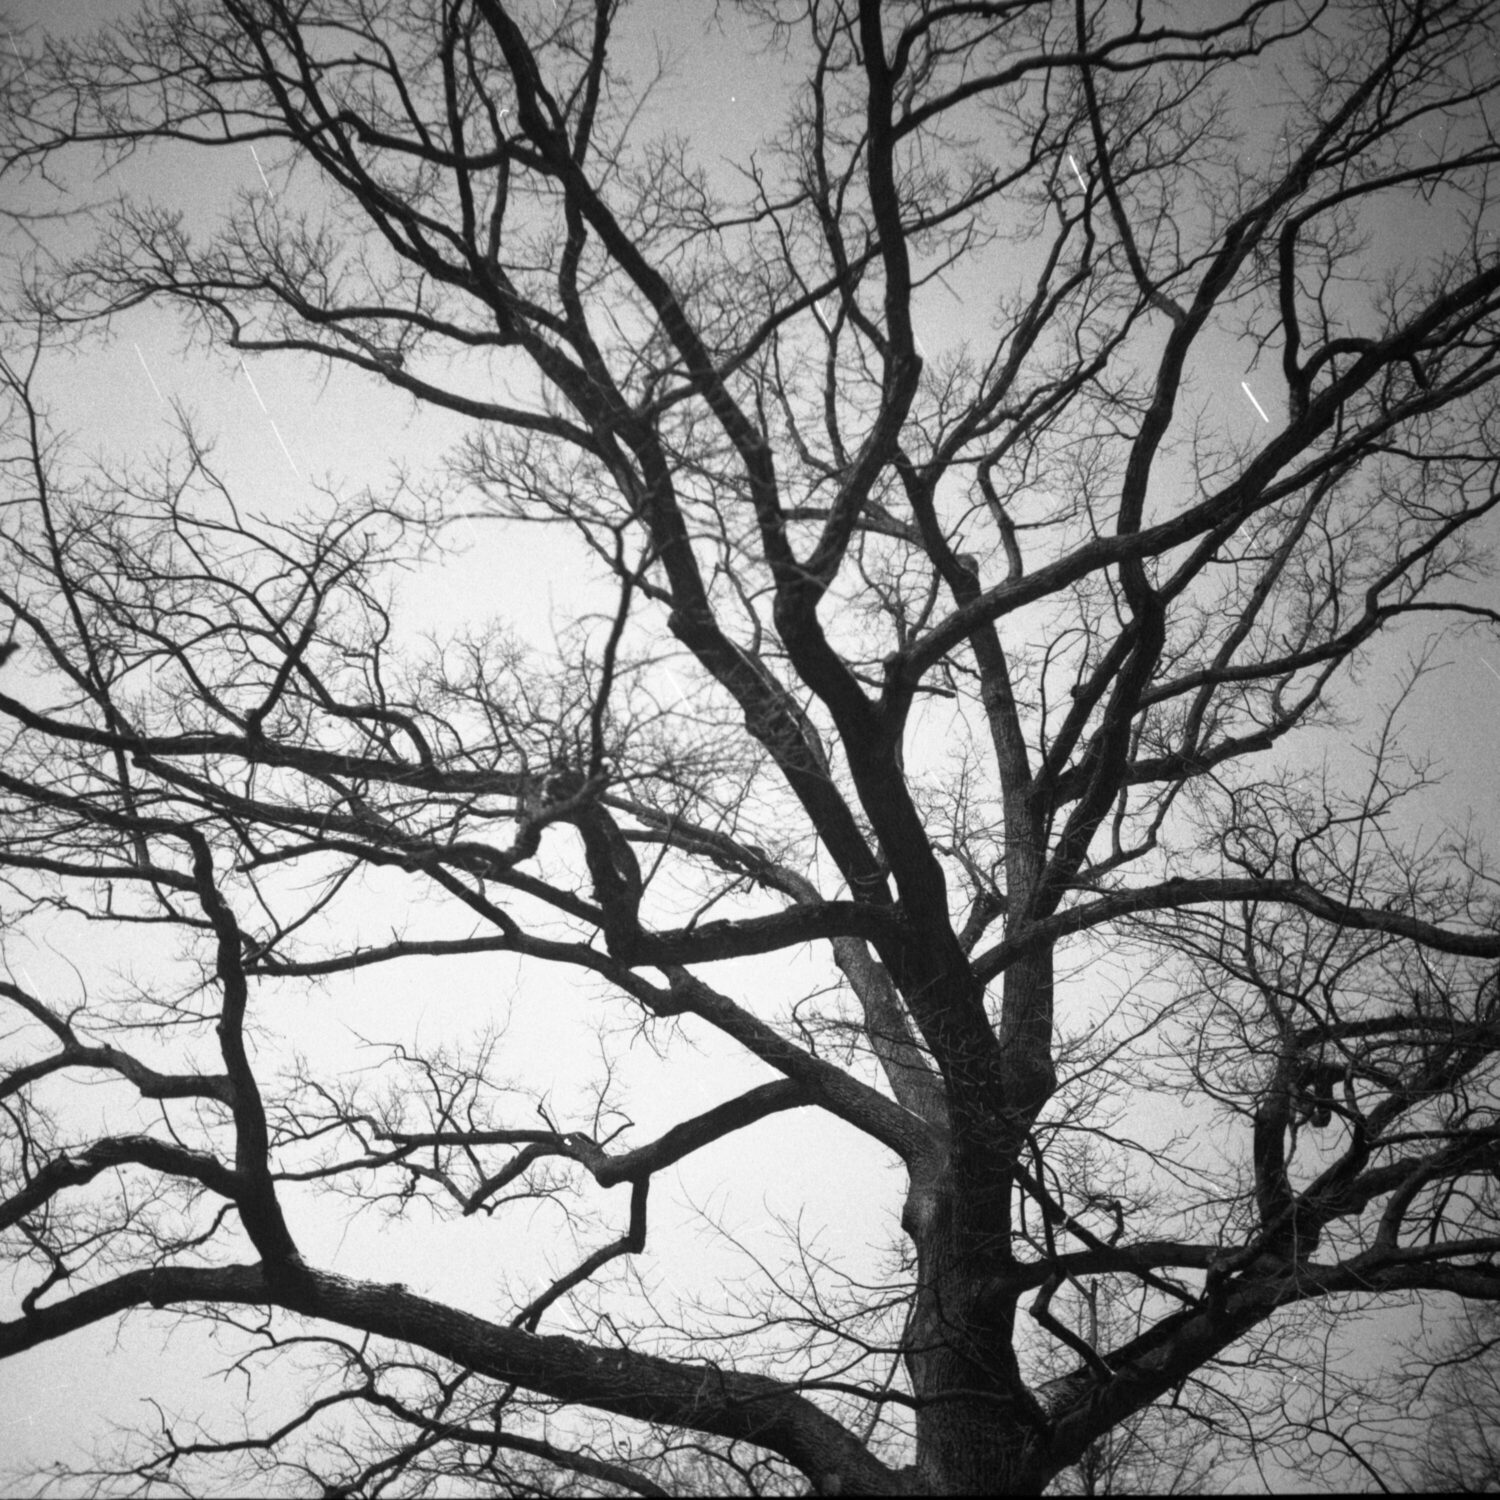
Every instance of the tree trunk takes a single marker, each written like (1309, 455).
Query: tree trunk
(978, 1434)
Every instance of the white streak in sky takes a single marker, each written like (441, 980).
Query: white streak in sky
(1256, 404)
(19, 58)
(285, 449)
(149, 376)
(251, 379)
(262, 172)
(676, 682)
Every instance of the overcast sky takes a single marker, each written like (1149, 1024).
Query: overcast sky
(285, 435)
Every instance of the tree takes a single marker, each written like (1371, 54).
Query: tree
(1160, 1450)
(990, 661)
(1461, 1448)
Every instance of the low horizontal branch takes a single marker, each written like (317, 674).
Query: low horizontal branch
(754, 1409)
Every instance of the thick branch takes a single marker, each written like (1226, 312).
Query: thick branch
(745, 1408)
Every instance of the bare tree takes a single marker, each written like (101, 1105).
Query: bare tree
(1115, 609)
(1189, 1445)
(1459, 1448)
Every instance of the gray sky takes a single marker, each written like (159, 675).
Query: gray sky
(282, 430)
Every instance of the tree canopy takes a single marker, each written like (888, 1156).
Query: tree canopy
(978, 491)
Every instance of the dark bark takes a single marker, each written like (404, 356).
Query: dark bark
(1119, 614)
